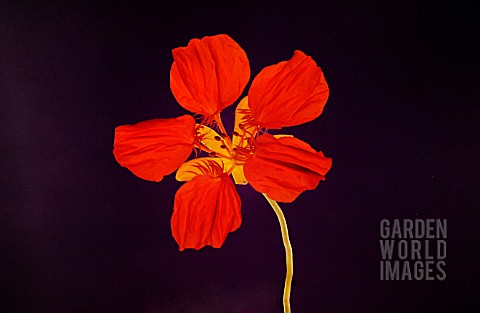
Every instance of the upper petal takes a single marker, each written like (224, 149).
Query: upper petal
(289, 93)
(154, 148)
(206, 209)
(283, 168)
(243, 131)
(209, 74)
(211, 141)
(243, 134)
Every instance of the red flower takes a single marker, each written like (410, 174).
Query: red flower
(207, 76)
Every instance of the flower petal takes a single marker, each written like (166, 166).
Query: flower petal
(281, 135)
(206, 209)
(242, 129)
(289, 93)
(196, 167)
(212, 140)
(154, 148)
(209, 74)
(284, 168)
(239, 176)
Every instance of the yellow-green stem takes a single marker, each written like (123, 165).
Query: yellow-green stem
(288, 253)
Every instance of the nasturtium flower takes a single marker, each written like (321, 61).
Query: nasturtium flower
(208, 75)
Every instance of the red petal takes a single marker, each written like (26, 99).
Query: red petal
(209, 74)
(154, 148)
(288, 93)
(284, 168)
(206, 209)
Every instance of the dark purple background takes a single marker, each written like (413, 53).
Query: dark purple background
(81, 234)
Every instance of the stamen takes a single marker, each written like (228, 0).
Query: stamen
(249, 125)
(206, 120)
(210, 168)
(242, 154)
(217, 138)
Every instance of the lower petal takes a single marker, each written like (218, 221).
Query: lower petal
(206, 209)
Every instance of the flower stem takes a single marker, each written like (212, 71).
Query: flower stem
(288, 253)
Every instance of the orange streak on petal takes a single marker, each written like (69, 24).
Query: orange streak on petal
(209, 74)
(212, 140)
(242, 133)
(289, 93)
(201, 166)
(206, 209)
(289, 140)
(154, 148)
(284, 168)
